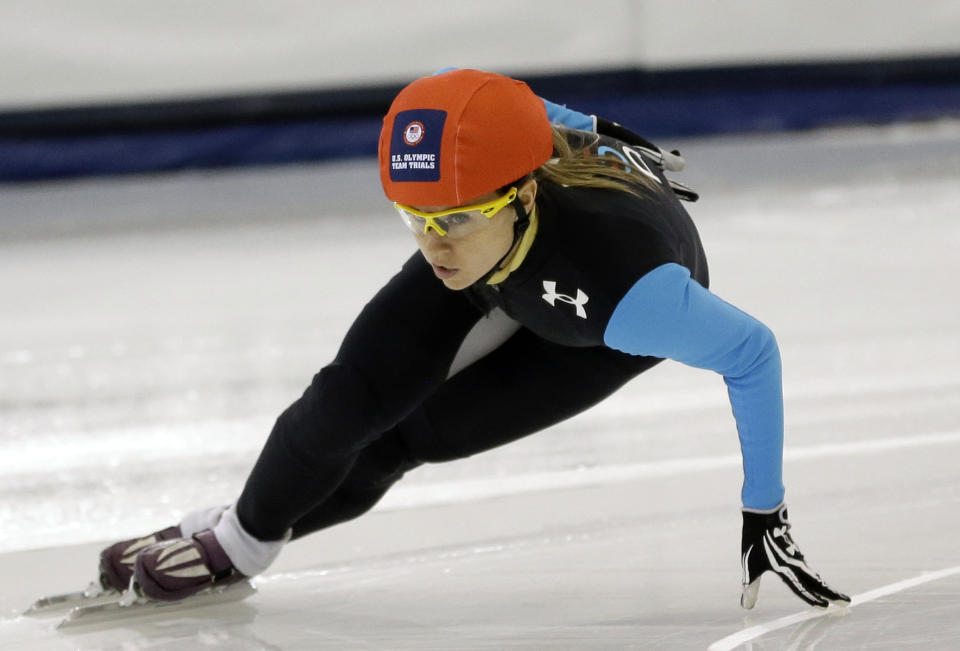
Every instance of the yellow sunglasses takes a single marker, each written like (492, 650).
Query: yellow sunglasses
(455, 222)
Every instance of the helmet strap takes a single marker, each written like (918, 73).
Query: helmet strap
(520, 225)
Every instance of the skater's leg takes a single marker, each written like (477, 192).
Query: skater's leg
(522, 387)
(384, 461)
(377, 468)
(396, 353)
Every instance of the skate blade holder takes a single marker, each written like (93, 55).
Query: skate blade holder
(132, 605)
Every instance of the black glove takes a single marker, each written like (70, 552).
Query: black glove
(767, 545)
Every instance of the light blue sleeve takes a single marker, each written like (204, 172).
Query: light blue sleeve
(668, 314)
(557, 113)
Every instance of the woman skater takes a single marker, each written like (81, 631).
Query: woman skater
(555, 264)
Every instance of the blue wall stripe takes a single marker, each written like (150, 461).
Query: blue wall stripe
(329, 124)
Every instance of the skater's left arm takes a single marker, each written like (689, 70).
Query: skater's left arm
(668, 314)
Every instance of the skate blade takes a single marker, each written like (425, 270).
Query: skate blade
(52, 604)
(129, 605)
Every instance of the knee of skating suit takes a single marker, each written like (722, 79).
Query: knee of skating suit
(378, 467)
(310, 451)
(336, 417)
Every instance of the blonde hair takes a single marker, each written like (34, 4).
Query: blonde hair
(573, 167)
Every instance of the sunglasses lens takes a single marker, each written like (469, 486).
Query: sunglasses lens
(457, 221)
(461, 224)
(413, 222)
(454, 224)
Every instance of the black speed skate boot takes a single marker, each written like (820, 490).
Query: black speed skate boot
(117, 560)
(175, 569)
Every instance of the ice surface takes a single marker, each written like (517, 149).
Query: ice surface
(152, 328)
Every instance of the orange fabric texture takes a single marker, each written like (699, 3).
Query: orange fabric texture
(453, 137)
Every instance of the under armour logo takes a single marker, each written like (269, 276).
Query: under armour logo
(552, 296)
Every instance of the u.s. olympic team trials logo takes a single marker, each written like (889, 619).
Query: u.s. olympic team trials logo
(415, 142)
(413, 133)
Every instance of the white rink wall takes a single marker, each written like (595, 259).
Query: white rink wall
(58, 52)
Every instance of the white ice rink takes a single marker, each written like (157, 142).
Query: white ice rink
(152, 328)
